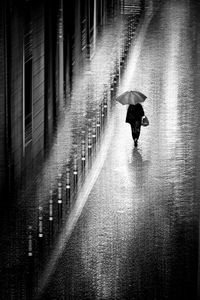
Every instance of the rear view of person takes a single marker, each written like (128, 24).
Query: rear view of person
(134, 118)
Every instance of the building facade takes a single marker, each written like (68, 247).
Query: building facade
(43, 43)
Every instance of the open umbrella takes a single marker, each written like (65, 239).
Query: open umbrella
(131, 97)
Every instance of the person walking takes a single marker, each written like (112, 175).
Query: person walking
(134, 118)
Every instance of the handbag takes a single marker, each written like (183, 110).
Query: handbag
(145, 121)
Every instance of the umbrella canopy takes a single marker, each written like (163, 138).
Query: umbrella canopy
(131, 97)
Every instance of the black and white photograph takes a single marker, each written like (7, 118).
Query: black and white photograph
(99, 149)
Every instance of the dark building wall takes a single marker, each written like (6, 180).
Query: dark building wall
(2, 97)
(60, 59)
(21, 144)
(38, 81)
(43, 44)
(15, 89)
(69, 41)
(50, 65)
(77, 37)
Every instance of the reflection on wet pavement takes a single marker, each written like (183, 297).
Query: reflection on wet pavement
(137, 236)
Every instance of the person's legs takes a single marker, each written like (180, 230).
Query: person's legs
(137, 128)
(135, 132)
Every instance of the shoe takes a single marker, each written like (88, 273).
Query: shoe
(135, 142)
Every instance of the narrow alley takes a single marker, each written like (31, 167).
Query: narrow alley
(104, 219)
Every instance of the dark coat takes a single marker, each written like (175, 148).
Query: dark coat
(134, 113)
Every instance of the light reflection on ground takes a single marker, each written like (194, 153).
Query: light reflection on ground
(137, 235)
